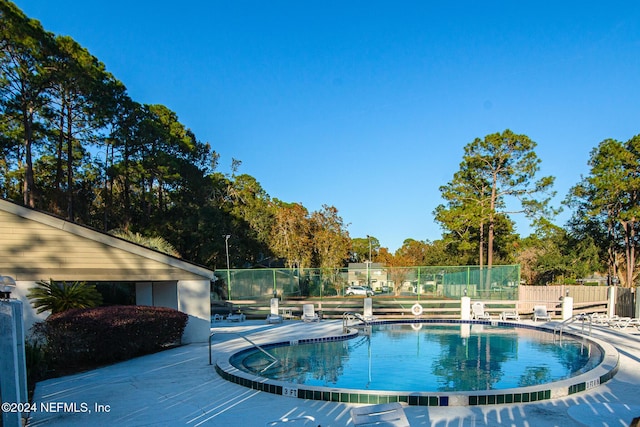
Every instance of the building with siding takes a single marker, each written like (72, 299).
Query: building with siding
(38, 246)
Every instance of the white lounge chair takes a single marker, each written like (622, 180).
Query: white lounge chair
(236, 317)
(509, 315)
(292, 422)
(478, 313)
(624, 322)
(601, 318)
(309, 313)
(273, 316)
(384, 414)
(540, 312)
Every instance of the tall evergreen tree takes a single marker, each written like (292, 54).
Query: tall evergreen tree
(496, 172)
(607, 203)
(25, 77)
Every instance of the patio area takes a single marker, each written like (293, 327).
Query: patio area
(179, 387)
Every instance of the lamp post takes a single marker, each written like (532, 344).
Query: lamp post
(369, 264)
(7, 285)
(226, 245)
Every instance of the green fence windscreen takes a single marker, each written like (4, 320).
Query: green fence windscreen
(498, 282)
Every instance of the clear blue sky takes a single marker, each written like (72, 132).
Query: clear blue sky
(367, 105)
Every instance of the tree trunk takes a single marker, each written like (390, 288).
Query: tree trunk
(629, 251)
(69, 137)
(490, 235)
(481, 251)
(28, 185)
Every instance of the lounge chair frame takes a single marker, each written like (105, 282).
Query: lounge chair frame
(540, 312)
(478, 312)
(383, 414)
(309, 313)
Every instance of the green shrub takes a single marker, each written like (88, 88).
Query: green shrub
(95, 336)
(36, 362)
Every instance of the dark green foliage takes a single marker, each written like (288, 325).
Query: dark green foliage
(36, 362)
(57, 297)
(607, 206)
(91, 337)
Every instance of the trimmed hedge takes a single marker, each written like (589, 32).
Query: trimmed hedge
(95, 336)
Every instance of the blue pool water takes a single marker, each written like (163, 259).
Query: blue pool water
(428, 357)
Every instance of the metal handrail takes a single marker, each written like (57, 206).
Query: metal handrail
(272, 357)
(345, 321)
(583, 317)
(350, 315)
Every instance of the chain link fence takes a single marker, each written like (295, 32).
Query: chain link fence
(499, 282)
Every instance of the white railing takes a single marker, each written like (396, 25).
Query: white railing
(269, 355)
(578, 317)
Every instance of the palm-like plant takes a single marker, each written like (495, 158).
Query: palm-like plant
(57, 297)
(156, 243)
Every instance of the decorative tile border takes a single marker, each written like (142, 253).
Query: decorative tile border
(586, 381)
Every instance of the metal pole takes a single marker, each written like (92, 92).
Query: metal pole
(210, 335)
(226, 244)
(275, 284)
(369, 264)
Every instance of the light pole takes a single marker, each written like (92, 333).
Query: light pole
(369, 264)
(226, 245)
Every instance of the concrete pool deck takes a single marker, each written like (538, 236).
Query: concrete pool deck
(178, 387)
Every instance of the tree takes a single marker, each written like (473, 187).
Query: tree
(364, 248)
(251, 203)
(57, 297)
(80, 106)
(291, 237)
(25, 53)
(439, 252)
(330, 241)
(607, 204)
(396, 267)
(464, 216)
(553, 255)
(496, 172)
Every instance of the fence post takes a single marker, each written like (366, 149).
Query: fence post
(465, 308)
(567, 308)
(611, 307)
(275, 284)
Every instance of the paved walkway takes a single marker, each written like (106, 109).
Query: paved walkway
(178, 387)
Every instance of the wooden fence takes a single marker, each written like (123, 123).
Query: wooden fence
(625, 302)
(586, 299)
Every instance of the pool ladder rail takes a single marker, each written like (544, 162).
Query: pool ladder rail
(274, 359)
(349, 315)
(585, 318)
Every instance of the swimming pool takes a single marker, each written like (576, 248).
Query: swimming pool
(398, 357)
(429, 363)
